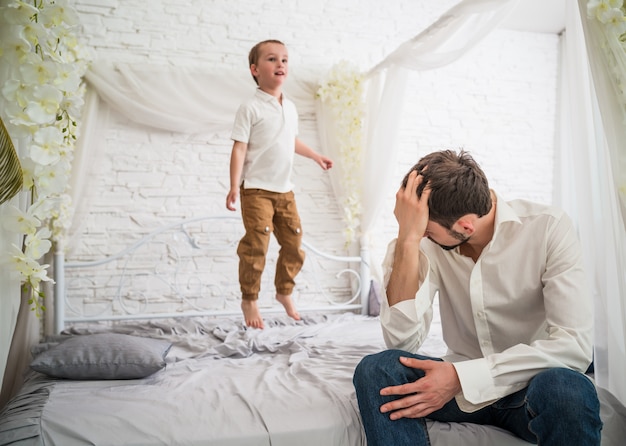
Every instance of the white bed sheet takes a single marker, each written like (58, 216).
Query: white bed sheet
(290, 384)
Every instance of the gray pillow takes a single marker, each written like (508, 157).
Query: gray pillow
(103, 356)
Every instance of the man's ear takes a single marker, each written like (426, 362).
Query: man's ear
(467, 223)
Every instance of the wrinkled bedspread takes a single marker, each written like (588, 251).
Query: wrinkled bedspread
(289, 384)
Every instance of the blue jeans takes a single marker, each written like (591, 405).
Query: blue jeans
(559, 407)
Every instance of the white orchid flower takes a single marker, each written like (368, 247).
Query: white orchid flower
(19, 12)
(23, 126)
(602, 9)
(24, 265)
(39, 72)
(46, 145)
(59, 13)
(67, 78)
(44, 61)
(20, 222)
(18, 92)
(38, 274)
(343, 92)
(16, 51)
(30, 270)
(45, 106)
(35, 33)
(73, 103)
(45, 207)
(50, 180)
(37, 244)
(615, 21)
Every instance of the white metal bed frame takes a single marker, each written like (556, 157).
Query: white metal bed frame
(360, 279)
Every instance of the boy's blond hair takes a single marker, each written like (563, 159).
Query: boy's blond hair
(255, 52)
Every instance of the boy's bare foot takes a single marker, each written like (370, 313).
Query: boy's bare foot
(251, 313)
(290, 308)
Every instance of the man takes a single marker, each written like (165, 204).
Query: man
(515, 312)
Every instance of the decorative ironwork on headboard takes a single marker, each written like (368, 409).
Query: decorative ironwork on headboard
(189, 268)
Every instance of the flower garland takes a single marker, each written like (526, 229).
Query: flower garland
(612, 15)
(343, 90)
(41, 100)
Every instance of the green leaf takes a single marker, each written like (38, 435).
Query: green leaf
(11, 176)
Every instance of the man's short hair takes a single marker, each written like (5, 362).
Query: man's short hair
(458, 186)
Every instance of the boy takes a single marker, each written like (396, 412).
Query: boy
(265, 139)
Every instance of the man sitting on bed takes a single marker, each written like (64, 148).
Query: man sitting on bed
(515, 310)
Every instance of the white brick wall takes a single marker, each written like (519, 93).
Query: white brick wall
(498, 102)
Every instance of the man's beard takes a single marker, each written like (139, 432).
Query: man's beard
(462, 238)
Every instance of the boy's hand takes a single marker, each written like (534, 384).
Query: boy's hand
(325, 163)
(231, 199)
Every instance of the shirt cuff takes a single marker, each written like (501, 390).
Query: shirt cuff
(476, 381)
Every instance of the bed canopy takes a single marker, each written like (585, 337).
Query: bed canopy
(190, 101)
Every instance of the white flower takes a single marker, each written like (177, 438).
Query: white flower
(38, 72)
(16, 50)
(34, 33)
(19, 13)
(37, 244)
(22, 124)
(600, 9)
(16, 220)
(46, 146)
(50, 179)
(611, 16)
(16, 91)
(67, 78)
(41, 102)
(610, 13)
(45, 105)
(58, 13)
(343, 91)
(615, 21)
(29, 269)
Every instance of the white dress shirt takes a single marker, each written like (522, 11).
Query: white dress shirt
(523, 307)
(270, 130)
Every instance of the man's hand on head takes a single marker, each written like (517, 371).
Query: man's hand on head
(411, 211)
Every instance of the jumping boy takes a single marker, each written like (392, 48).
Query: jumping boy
(265, 139)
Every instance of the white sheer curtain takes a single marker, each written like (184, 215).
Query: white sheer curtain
(591, 165)
(454, 34)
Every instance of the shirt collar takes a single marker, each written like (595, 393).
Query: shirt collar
(504, 212)
(266, 96)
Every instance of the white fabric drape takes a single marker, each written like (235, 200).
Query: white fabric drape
(167, 98)
(591, 137)
(94, 120)
(182, 100)
(454, 34)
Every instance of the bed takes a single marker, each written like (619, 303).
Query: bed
(148, 353)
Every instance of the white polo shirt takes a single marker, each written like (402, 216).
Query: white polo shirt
(270, 130)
